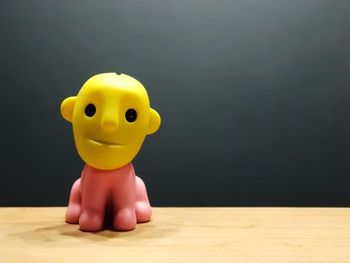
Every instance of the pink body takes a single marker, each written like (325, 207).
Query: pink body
(118, 193)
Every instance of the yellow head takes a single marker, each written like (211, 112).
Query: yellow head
(111, 117)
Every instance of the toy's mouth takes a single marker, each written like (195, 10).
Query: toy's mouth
(104, 143)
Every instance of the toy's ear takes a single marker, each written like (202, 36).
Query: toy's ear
(154, 122)
(67, 108)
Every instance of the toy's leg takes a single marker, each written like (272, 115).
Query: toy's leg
(142, 206)
(93, 206)
(124, 217)
(74, 205)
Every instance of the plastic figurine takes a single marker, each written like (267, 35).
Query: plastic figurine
(111, 117)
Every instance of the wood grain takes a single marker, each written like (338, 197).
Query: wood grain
(182, 235)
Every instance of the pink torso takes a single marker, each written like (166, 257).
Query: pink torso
(117, 194)
(101, 188)
(116, 175)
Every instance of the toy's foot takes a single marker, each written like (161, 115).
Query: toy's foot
(125, 219)
(143, 212)
(91, 220)
(73, 213)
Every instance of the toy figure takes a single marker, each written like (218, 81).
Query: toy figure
(111, 117)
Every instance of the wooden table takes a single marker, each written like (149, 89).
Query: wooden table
(182, 235)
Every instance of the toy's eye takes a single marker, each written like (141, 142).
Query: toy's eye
(130, 115)
(90, 110)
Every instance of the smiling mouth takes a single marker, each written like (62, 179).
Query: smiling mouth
(105, 143)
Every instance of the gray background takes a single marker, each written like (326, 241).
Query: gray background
(254, 97)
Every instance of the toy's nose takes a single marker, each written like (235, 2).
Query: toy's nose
(109, 124)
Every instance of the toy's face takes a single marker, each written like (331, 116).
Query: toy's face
(111, 116)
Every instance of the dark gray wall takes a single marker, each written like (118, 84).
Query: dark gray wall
(254, 97)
